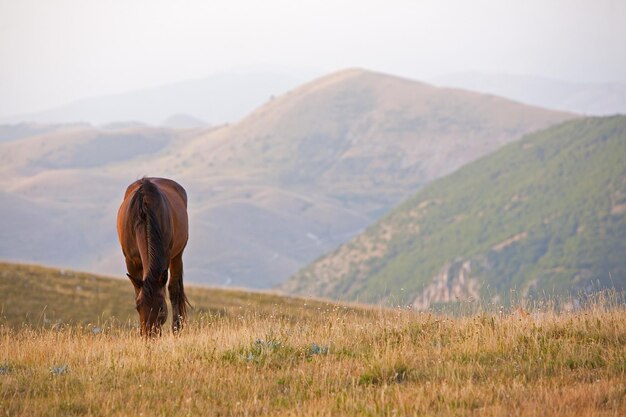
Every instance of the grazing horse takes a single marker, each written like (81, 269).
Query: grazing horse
(152, 227)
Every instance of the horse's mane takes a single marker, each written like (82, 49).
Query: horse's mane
(146, 200)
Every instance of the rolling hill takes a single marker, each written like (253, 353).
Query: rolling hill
(357, 127)
(78, 147)
(546, 214)
(24, 130)
(297, 177)
(41, 296)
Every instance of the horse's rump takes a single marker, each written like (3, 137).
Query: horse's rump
(152, 224)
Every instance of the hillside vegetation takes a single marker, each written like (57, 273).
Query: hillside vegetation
(303, 173)
(546, 214)
(49, 297)
(254, 354)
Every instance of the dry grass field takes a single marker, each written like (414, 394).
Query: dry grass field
(260, 354)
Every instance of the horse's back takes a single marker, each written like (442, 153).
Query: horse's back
(175, 208)
(171, 187)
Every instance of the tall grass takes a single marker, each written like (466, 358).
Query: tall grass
(306, 358)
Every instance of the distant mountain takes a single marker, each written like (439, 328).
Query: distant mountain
(183, 121)
(297, 177)
(590, 99)
(545, 214)
(80, 146)
(24, 130)
(217, 99)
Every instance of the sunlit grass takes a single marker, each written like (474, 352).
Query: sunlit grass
(69, 346)
(327, 360)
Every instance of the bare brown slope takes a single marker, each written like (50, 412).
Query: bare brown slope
(355, 130)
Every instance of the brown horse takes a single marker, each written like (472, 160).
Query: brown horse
(152, 227)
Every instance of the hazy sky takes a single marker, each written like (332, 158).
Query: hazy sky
(55, 51)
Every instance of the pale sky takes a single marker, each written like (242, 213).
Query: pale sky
(56, 51)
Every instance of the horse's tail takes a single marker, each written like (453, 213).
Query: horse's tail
(143, 207)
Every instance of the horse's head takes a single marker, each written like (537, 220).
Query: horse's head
(151, 305)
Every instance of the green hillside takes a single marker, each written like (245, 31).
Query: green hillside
(546, 214)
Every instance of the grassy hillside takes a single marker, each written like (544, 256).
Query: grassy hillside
(44, 297)
(545, 214)
(267, 355)
(303, 173)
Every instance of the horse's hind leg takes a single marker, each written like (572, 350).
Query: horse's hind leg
(177, 293)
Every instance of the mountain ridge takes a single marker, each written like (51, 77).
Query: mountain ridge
(216, 99)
